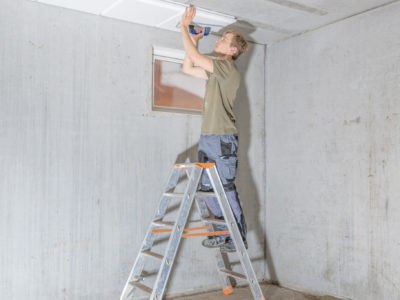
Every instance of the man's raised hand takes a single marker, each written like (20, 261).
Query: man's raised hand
(188, 16)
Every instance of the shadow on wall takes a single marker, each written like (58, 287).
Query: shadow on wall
(243, 27)
(249, 197)
(250, 200)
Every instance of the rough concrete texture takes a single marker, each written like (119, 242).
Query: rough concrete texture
(270, 292)
(333, 158)
(83, 158)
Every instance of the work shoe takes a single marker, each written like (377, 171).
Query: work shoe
(214, 242)
(229, 246)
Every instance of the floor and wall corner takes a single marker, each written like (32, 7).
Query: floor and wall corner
(83, 158)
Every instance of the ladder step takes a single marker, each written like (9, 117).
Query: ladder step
(141, 286)
(163, 223)
(210, 194)
(152, 254)
(214, 221)
(174, 195)
(233, 274)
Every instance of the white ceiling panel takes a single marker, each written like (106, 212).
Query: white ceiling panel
(172, 24)
(162, 14)
(90, 6)
(146, 13)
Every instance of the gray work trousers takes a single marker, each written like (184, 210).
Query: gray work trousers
(222, 150)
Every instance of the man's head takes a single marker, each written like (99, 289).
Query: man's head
(232, 43)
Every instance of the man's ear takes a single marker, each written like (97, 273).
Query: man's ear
(233, 51)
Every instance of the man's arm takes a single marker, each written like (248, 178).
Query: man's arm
(188, 66)
(192, 54)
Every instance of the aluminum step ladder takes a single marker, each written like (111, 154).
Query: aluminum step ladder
(177, 229)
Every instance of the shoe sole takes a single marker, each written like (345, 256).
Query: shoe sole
(211, 247)
(216, 246)
(230, 251)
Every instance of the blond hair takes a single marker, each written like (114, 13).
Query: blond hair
(239, 42)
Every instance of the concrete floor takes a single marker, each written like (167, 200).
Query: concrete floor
(271, 292)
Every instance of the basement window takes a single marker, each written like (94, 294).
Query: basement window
(173, 90)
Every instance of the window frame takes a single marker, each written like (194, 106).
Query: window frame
(174, 56)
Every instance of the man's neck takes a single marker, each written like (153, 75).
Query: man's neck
(225, 57)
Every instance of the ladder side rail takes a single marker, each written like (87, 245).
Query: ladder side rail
(176, 235)
(173, 179)
(149, 237)
(204, 213)
(234, 231)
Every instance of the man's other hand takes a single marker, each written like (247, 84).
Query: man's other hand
(198, 36)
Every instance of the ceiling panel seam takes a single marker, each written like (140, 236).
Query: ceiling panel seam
(169, 19)
(108, 9)
(264, 26)
(298, 6)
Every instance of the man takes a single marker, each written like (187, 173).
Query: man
(218, 141)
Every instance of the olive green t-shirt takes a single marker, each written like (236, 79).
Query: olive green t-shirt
(221, 88)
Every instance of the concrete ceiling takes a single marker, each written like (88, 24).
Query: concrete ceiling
(262, 21)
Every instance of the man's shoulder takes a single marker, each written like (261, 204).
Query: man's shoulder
(225, 68)
(224, 62)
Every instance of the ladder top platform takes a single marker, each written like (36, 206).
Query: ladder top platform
(201, 165)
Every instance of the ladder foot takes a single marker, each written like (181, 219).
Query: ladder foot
(227, 291)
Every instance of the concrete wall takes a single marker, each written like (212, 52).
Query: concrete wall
(83, 159)
(333, 158)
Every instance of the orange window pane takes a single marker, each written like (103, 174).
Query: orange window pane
(175, 90)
